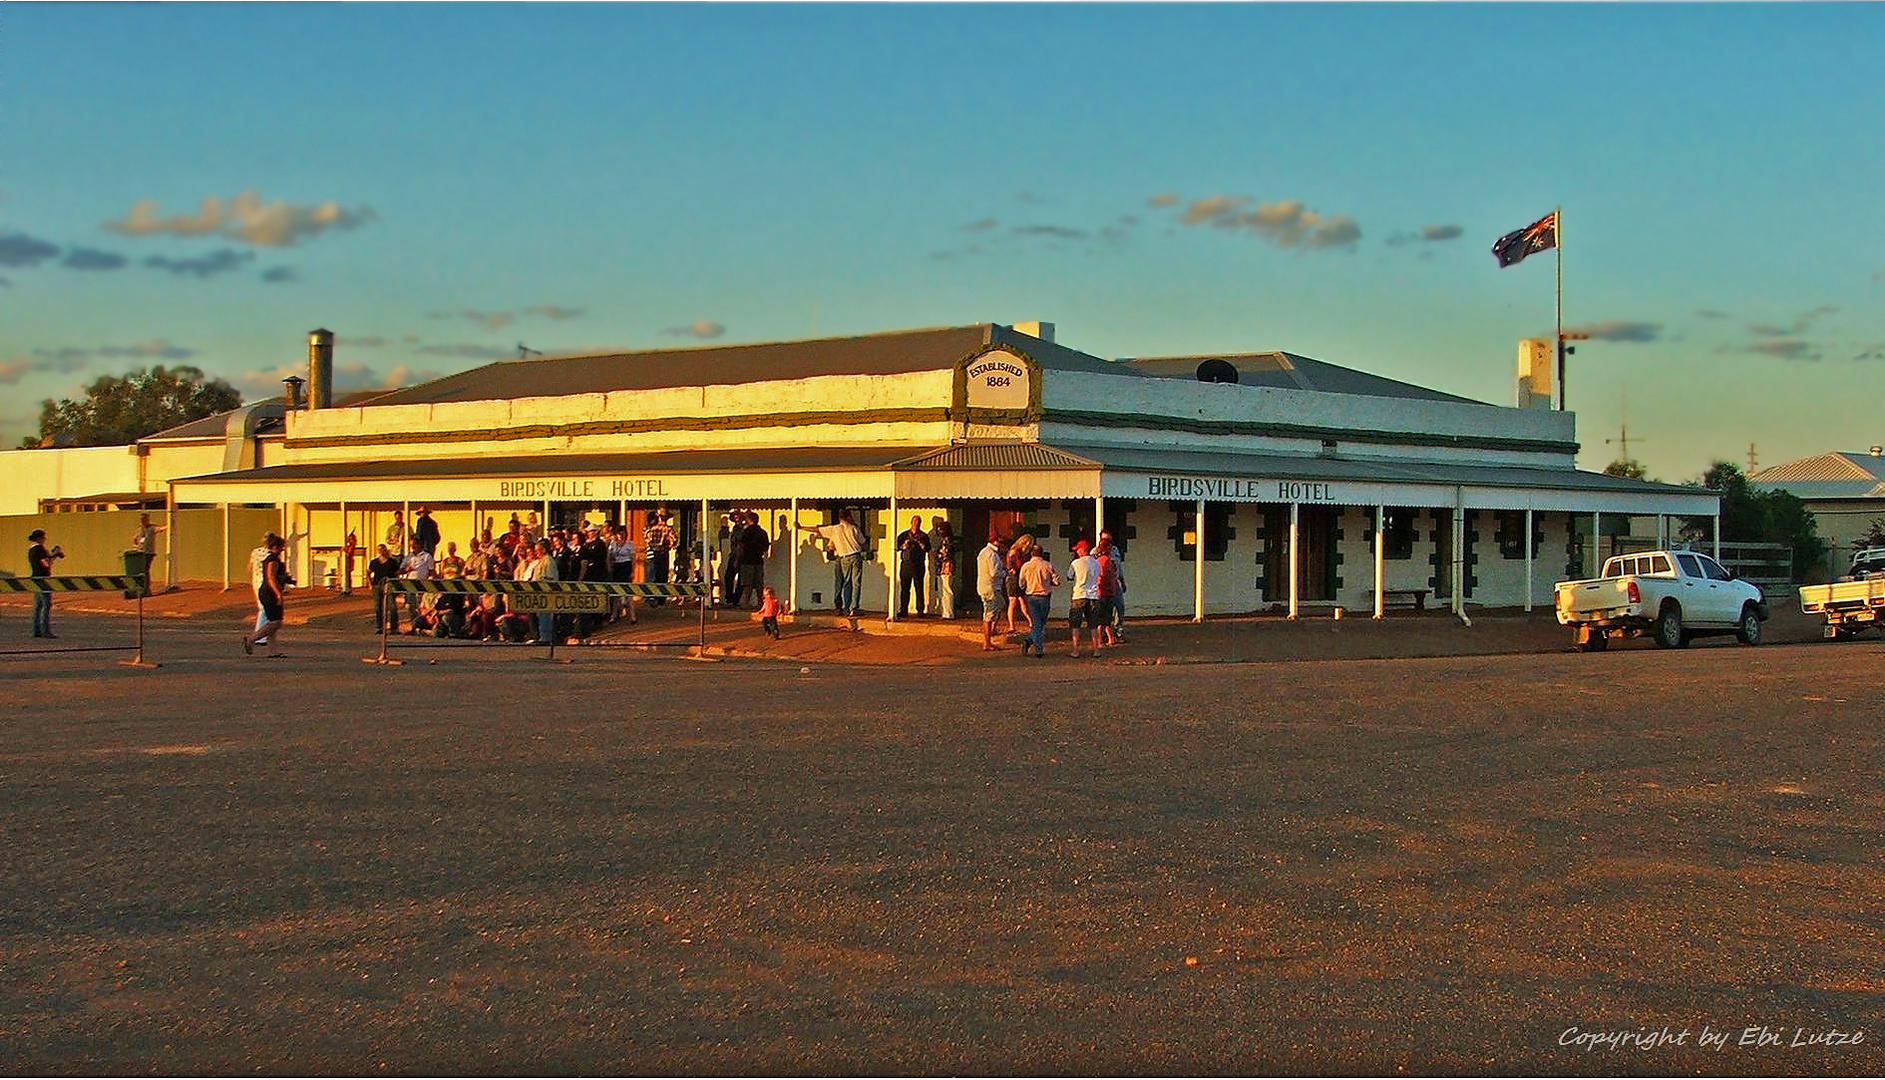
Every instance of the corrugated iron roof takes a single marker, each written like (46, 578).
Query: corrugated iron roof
(1288, 371)
(996, 456)
(1834, 467)
(215, 426)
(1833, 477)
(723, 365)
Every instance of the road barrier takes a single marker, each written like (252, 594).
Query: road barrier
(131, 585)
(538, 598)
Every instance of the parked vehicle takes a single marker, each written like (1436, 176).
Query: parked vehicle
(1867, 561)
(1674, 595)
(1855, 602)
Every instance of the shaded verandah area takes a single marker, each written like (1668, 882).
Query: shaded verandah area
(976, 484)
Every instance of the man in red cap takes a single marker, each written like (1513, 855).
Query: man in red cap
(1083, 611)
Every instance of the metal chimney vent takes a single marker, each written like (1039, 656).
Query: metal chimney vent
(320, 369)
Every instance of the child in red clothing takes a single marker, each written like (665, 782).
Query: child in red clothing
(769, 609)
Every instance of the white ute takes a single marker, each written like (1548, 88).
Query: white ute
(1675, 595)
(1855, 602)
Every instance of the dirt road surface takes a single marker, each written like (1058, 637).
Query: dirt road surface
(1522, 862)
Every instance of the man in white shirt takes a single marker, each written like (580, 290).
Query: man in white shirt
(1083, 609)
(847, 548)
(991, 573)
(541, 568)
(417, 566)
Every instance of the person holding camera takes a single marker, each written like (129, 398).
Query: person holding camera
(39, 560)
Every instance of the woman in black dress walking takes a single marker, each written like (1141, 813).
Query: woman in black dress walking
(269, 594)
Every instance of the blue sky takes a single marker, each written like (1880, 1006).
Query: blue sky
(439, 182)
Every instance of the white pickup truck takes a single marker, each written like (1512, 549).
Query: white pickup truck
(1675, 595)
(1852, 603)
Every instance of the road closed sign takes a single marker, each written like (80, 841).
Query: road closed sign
(559, 602)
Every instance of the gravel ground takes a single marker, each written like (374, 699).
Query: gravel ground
(637, 863)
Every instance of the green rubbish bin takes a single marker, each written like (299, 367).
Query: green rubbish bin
(137, 564)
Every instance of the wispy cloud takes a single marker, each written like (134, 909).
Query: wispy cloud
(79, 258)
(1163, 199)
(699, 328)
(348, 376)
(1426, 234)
(552, 311)
(44, 361)
(1710, 313)
(1219, 210)
(1870, 351)
(154, 349)
(1052, 232)
(220, 261)
(1619, 330)
(71, 358)
(1785, 349)
(277, 275)
(1798, 326)
(468, 351)
(23, 251)
(245, 217)
(1289, 223)
(981, 225)
(491, 320)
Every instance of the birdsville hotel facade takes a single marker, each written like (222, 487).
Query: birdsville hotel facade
(1306, 485)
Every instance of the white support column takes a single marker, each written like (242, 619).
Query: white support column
(890, 564)
(1197, 569)
(1380, 547)
(405, 538)
(345, 578)
(477, 527)
(1099, 519)
(1717, 535)
(1459, 552)
(1295, 559)
(225, 547)
(543, 528)
(703, 564)
(1528, 559)
(792, 563)
(170, 535)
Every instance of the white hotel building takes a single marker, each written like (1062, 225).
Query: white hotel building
(1304, 485)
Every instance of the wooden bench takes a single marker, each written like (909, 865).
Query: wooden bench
(1414, 598)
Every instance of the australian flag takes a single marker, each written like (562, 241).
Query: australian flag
(1540, 235)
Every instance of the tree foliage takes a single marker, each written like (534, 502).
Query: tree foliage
(117, 410)
(1628, 468)
(1873, 537)
(1773, 517)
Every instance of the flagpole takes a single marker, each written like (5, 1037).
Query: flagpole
(1557, 238)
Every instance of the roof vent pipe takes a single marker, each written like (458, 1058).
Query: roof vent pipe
(291, 391)
(1878, 450)
(320, 369)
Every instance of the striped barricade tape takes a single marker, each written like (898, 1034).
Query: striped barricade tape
(470, 586)
(72, 583)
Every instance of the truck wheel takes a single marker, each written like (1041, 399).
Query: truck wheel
(1748, 630)
(1669, 633)
(1592, 639)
